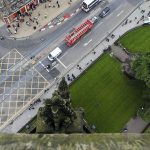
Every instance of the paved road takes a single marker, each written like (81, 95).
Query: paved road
(71, 55)
(119, 10)
(36, 44)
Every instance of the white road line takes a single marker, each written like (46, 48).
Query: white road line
(55, 66)
(75, 44)
(66, 19)
(63, 55)
(43, 66)
(47, 70)
(87, 34)
(51, 26)
(58, 23)
(41, 63)
(85, 44)
(98, 25)
(120, 13)
(118, 8)
(61, 63)
(72, 14)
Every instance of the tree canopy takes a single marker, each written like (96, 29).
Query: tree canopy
(141, 68)
(63, 89)
(58, 112)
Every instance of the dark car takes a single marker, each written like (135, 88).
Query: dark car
(104, 12)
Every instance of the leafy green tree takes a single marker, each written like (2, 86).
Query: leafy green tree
(144, 113)
(63, 89)
(141, 68)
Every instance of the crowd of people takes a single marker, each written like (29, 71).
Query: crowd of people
(28, 19)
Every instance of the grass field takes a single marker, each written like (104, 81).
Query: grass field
(137, 40)
(108, 97)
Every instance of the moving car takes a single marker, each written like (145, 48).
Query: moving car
(54, 54)
(104, 12)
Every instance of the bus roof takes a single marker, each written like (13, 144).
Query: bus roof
(88, 1)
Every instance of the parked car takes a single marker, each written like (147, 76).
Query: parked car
(104, 12)
(94, 19)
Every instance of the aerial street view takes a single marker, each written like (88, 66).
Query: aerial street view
(74, 74)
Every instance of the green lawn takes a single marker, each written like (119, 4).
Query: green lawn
(137, 40)
(109, 98)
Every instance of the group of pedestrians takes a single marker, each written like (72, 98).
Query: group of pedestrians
(35, 102)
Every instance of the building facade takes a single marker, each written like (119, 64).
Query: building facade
(10, 9)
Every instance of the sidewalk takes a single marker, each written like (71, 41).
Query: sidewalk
(80, 66)
(135, 125)
(40, 17)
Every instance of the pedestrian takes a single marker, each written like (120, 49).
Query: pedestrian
(34, 27)
(13, 25)
(18, 25)
(16, 29)
(38, 14)
(73, 76)
(58, 4)
(49, 5)
(48, 66)
(45, 6)
(30, 19)
(37, 22)
(94, 52)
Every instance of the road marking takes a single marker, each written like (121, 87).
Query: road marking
(120, 13)
(51, 26)
(54, 66)
(98, 25)
(75, 45)
(58, 23)
(43, 29)
(61, 63)
(63, 55)
(43, 66)
(118, 8)
(66, 19)
(87, 34)
(85, 44)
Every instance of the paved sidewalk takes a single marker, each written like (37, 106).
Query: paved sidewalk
(80, 67)
(118, 52)
(40, 17)
(135, 125)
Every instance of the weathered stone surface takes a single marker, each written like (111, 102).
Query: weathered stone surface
(75, 142)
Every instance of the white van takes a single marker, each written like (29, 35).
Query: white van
(54, 54)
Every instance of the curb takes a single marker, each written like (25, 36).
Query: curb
(58, 20)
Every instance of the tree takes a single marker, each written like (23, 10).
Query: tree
(63, 89)
(141, 68)
(144, 113)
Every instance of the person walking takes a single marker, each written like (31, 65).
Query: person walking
(18, 25)
(37, 22)
(58, 4)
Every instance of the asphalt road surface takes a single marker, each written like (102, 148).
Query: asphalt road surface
(120, 9)
(46, 41)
